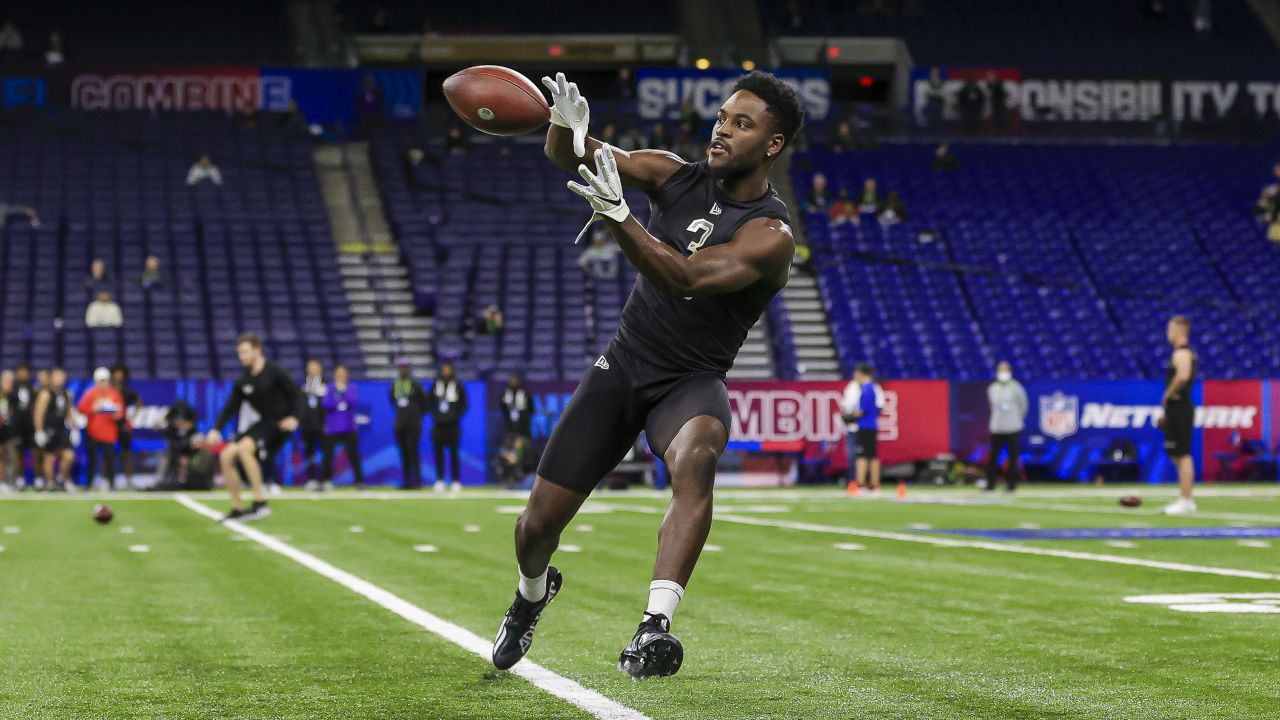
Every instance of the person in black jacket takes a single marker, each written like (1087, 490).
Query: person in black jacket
(517, 416)
(277, 404)
(411, 403)
(179, 440)
(517, 406)
(447, 403)
(311, 424)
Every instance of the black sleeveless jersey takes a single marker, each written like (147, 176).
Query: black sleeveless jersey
(55, 413)
(1183, 398)
(690, 212)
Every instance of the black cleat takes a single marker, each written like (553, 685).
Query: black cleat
(257, 511)
(235, 515)
(653, 652)
(516, 634)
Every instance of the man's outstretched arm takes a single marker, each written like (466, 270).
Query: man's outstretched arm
(568, 142)
(762, 248)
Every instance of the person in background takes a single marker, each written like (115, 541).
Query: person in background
(850, 402)
(944, 160)
(510, 461)
(179, 441)
(456, 143)
(152, 276)
(491, 322)
(632, 139)
(935, 101)
(22, 439)
(970, 102)
(600, 259)
(843, 140)
(869, 200)
(1178, 421)
(517, 407)
(276, 406)
(818, 198)
(867, 417)
(98, 279)
(658, 138)
(340, 402)
(10, 40)
(311, 424)
(132, 404)
(55, 52)
(893, 211)
(842, 210)
(53, 423)
(1008, 402)
(6, 464)
(609, 134)
(7, 211)
(292, 120)
(204, 169)
(997, 102)
(103, 312)
(448, 403)
(104, 407)
(411, 403)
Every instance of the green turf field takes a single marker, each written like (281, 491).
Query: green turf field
(808, 605)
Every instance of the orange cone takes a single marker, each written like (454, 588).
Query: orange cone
(851, 489)
(902, 490)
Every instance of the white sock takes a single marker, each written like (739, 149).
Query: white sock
(535, 588)
(664, 595)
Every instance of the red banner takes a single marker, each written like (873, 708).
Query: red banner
(790, 416)
(1230, 413)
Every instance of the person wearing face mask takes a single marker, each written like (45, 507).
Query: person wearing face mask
(1008, 414)
(410, 403)
(447, 403)
(340, 425)
(311, 424)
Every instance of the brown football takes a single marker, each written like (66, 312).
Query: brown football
(1131, 501)
(496, 100)
(102, 513)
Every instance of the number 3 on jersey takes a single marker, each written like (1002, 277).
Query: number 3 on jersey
(701, 225)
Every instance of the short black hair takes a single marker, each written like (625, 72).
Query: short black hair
(250, 338)
(779, 98)
(865, 369)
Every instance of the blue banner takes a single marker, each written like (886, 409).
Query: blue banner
(341, 95)
(375, 416)
(661, 91)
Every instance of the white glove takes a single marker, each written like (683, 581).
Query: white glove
(42, 437)
(75, 436)
(603, 191)
(569, 109)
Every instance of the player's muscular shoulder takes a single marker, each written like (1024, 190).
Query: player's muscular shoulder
(768, 244)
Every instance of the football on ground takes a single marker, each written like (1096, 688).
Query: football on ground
(496, 100)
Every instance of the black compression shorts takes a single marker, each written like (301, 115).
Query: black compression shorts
(269, 438)
(618, 397)
(1179, 421)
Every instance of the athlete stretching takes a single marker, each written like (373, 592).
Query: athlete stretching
(718, 247)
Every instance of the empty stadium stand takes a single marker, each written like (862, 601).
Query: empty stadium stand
(255, 254)
(1082, 36)
(1065, 259)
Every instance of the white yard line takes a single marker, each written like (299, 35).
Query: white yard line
(994, 547)
(568, 690)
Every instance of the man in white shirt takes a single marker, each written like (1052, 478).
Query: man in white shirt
(103, 312)
(202, 170)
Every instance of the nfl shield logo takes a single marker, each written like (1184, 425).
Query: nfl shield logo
(1058, 416)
